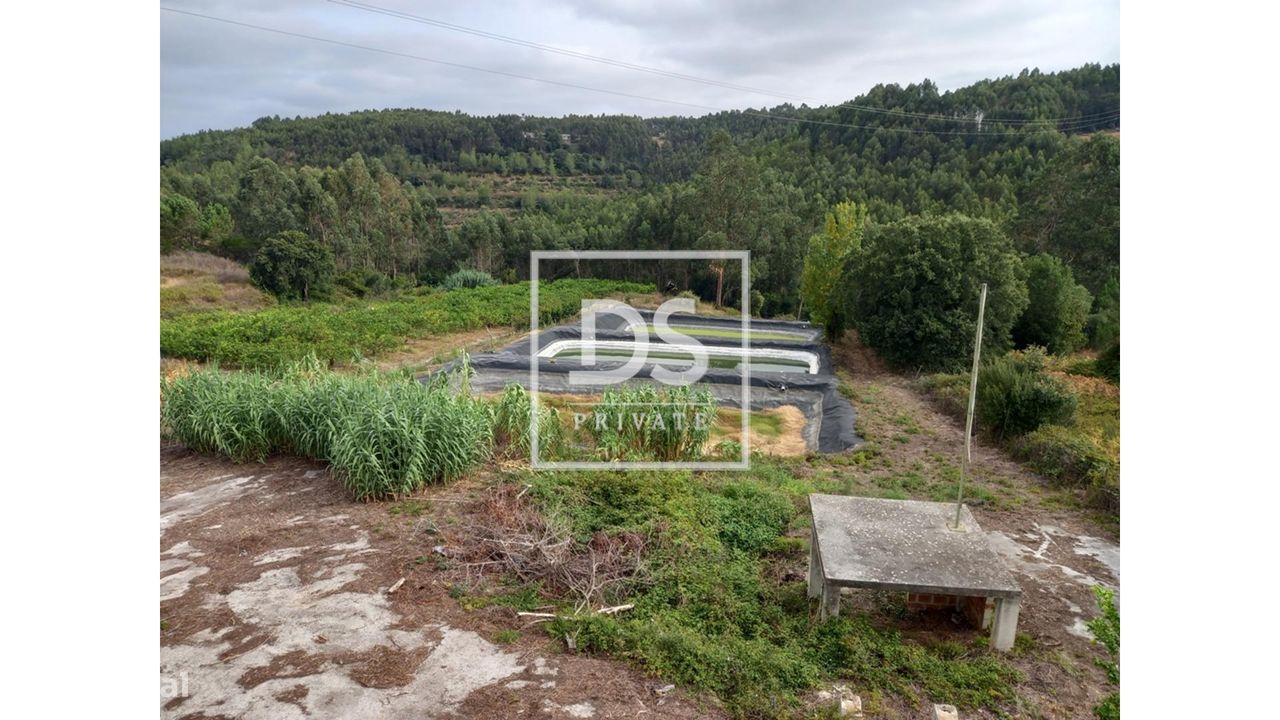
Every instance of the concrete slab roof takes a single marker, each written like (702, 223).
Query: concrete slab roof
(906, 545)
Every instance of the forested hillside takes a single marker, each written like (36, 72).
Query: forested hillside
(405, 197)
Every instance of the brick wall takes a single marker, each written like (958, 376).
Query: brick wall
(930, 601)
(977, 610)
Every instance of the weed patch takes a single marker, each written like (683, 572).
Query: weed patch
(710, 614)
(341, 333)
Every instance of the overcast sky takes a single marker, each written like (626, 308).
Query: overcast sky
(215, 75)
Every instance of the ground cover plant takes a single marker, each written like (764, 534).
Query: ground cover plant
(1106, 630)
(343, 332)
(710, 610)
(383, 435)
(1056, 416)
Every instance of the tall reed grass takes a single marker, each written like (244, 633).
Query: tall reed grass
(384, 436)
(513, 424)
(643, 422)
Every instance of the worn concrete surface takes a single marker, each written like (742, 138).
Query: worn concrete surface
(906, 545)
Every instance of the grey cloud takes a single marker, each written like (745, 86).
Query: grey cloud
(217, 76)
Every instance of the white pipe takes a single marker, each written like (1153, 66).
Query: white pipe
(555, 348)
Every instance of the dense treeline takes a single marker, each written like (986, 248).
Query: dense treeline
(405, 197)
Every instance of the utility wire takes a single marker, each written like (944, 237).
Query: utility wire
(557, 50)
(518, 76)
(367, 7)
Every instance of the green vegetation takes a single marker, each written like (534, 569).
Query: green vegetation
(415, 195)
(1058, 309)
(292, 266)
(1109, 363)
(503, 637)
(710, 611)
(824, 261)
(637, 422)
(513, 424)
(915, 287)
(1016, 395)
(1064, 425)
(383, 436)
(1106, 630)
(344, 332)
(468, 278)
(1073, 210)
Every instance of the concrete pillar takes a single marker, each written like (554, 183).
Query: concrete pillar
(815, 565)
(830, 601)
(1004, 629)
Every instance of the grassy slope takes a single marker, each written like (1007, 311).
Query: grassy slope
(198, 282)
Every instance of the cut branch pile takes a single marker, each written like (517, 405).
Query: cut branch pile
(514, 535)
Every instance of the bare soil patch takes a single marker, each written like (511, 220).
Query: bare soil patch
(276, 604)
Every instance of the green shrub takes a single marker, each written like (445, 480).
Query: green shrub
(1016, 395)
(914, 289)
(949, 390)
(383, 436)
(1058, 308)
(292, 266)
(1109, 363)
(750, 518)
(468, 278)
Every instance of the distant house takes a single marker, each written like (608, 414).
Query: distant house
(527, 135)
(565, 138)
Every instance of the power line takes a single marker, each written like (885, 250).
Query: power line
(367, 7)
(518, 76)
(557, 50)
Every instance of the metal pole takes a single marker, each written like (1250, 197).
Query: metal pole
(973, 397)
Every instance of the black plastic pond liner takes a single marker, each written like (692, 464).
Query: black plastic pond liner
(816, 395)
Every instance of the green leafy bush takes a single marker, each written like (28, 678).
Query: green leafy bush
(468, 278)
(292, 266)
(914, 289)
(1016, 395)
(383, 436)
(1058, 308)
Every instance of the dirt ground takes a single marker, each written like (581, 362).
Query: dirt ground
(276, 603)
(276, 594)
